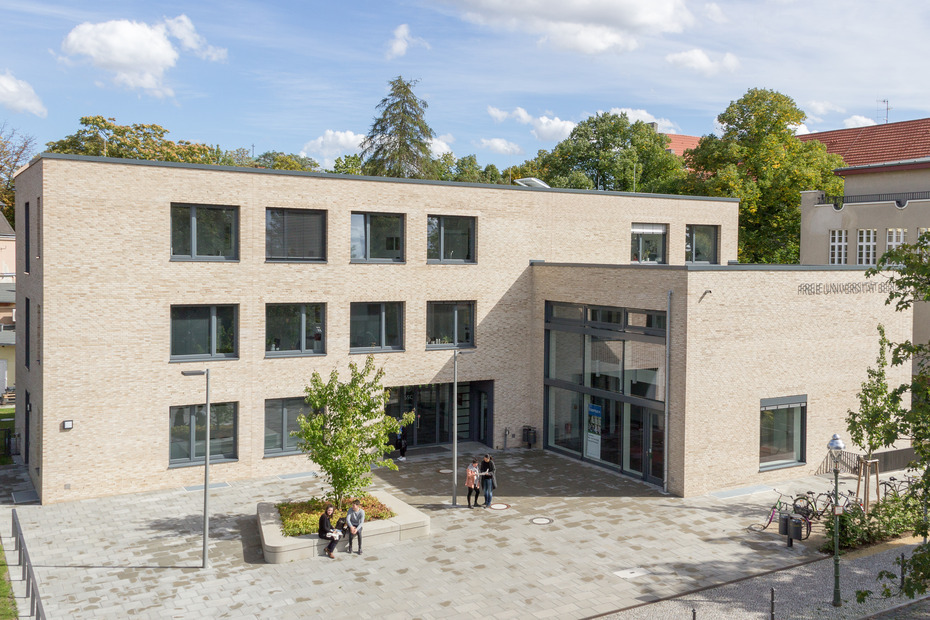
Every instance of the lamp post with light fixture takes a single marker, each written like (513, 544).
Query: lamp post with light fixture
(836, 447)
(206, 464)
(455, 422)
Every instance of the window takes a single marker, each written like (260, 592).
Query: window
(203, 332)
(648, 244)
(450, 239)
(27, 335)
(295, 235)
(204, 232)
(866, 246)
(187, 445)
(294, 329)
(645, 322)
(377, 238)
(26, 238)
(377, 326)
(894, 238)
(280, 420)
(838, 241)
(783, 424)
(700, 244)
(450, 324)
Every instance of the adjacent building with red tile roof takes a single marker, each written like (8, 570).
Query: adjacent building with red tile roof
(679, 143)
(874, 144)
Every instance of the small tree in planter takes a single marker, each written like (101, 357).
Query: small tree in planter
(347, 432)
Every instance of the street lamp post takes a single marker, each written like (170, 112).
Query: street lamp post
(206, 464)
(455, 422)
(836, 447)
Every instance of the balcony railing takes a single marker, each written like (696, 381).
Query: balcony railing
(899, 198)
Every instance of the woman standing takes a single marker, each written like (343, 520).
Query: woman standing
(471, 481)
(486, 471)
(328, 531)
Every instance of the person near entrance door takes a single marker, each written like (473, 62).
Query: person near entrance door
(402, 445)
(488, 484)
(471, 481)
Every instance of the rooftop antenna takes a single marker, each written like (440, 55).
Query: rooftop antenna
(888, 108)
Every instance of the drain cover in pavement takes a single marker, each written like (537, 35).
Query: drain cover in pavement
(630, 573)
(540, 521)
(499, 506)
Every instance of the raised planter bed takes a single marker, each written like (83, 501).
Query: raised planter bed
(277, 548)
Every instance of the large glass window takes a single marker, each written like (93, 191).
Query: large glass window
(203, 332)
(700, 244)
(280, 421)
(295, 235)
(294, 329)
(838, 245)
(644, 370)
(605, 363)
(377, 238)
(188, 433)
(648, 245)
(566, 356)
(450, 239)
(565, 418)
(450, 324)
(376, 326)
(783, 425)
(866, 247)
(204, 232)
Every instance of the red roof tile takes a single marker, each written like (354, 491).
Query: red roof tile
(877, 143)
(679, 143)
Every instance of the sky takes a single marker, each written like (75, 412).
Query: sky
(502, 78)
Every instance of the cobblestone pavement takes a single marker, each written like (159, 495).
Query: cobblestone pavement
(613, 544)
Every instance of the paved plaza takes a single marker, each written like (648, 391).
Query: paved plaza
(613, 546)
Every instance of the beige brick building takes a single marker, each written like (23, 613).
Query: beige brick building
(130, 272)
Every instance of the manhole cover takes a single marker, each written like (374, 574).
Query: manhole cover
(445, 471)
(540, 521)
(631, 573)
(499, 506)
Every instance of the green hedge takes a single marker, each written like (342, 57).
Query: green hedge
(890, 518)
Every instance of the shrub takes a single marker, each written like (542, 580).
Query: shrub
(298, 518)
(890, 518)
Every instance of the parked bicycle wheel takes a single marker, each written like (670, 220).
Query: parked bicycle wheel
(803, 506)
(888, 489)
(805, 527)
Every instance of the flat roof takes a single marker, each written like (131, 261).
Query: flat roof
(351, 177)
(706, 267)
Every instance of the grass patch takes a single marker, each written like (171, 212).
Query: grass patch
(299, 518)
(7, 601)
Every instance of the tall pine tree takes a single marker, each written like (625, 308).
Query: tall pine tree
(397, 145)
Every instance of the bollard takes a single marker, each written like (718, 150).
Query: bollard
(772, 612)
(693, 613)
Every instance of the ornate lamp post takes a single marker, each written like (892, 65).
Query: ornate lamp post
(836, 447)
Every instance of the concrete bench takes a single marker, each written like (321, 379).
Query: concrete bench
(409, 523)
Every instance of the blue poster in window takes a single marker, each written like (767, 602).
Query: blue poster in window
(593, 443)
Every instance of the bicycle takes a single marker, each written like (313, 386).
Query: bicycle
(781, 506)
(896, 488)
(814, 506)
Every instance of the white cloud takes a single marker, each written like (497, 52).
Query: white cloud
(544, 128)
(714, 13)
(699, 61)
(138, 54)
(586, 26)
(497, 114)
(824, 107)
(858, 121)
(441, 144)
(333, 144)
(499, 145)
(402, 40)
(800, 130)
(18, 96)
(663, 125)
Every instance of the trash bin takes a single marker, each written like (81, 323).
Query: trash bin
(529, 436)
(783, 520)
(795, 530)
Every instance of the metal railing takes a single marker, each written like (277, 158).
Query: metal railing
(29, 576)
(899, 198)
(849, 463)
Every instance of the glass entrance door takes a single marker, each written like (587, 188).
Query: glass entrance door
(634, 426)
(644, 443)
(655, 464)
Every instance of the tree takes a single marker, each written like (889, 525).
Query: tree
(759, 160)
(398, 143)
(875, 424)
(103, 137)
(616, 155)
(15, 150)
(348, 431)
(276, 160)
(348, 164)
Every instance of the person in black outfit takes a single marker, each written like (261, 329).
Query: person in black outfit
(486, 473)
(327, 529)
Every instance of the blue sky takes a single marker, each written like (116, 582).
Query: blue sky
(503, 78)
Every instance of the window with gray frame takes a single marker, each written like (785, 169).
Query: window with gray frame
(280, 421)
(295, 235)
(783, 424)
(450, 324)
(377, 238)
(204, 232)
(648, 243)
(294, 329)
(204, 332)
(376, 326)
(188, 433)
(701, 244)
(450, 239)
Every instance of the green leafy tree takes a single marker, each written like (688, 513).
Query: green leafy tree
(276, 160)
(15, 150)
(398, 143)
(615, 154)
(348, 432)
(103, 137)
(467, 170)
(348, 164)
(442, 168)
(759, 160)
